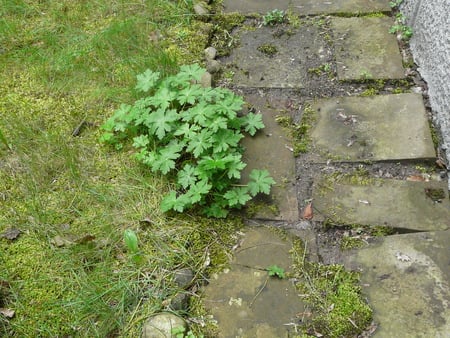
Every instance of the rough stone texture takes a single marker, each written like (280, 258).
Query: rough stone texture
(245, 300)
(183, 277)
(286, 67)
(271, 149)
(430, 45)
(254, 6)
(307, 7)
(210, 53)
(405, 278)
(383, 127)
(162, 325)
(365, 49)
(393, 203)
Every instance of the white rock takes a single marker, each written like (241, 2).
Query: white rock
(210, 53)
(162, 326)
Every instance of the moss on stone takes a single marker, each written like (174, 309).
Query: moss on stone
(221, 35)
(334, 295)
(300, 132)
(348, 243)
(268, 49)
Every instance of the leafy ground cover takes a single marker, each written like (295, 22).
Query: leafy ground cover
(66, 200)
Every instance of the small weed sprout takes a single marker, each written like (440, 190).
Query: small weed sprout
(180, 332)
(404, 31)
(395, 3)
(274, 17)
(131, 242)
(276, 271)
(365, 75)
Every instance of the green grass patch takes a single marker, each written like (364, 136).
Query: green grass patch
(69, 272)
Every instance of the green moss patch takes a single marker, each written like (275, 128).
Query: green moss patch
(337, 306)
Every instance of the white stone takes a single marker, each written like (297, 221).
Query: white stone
(162, 326)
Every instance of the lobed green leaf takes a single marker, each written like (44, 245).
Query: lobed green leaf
(147, 80)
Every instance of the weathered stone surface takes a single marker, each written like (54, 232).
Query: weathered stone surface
(406, 279)
(206, 80)
(200, 8)
(393, 203)
(365, 49)
(245, 300)
(162, 326)
(254, 6)
(270, 149)
(213, 66)
(183, 277)
(272, 58)
(210, 53)
(307, 7)
(383, 127)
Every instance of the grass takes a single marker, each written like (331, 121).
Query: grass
(68, 272)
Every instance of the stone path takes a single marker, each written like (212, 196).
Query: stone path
(404, 276)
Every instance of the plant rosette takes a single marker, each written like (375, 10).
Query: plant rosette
(191, 133)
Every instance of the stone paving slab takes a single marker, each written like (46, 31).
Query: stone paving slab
(406, 279)
(254, 6)
(365, 49)
(271, 149)
(244, 300)
(313, 7)
(417, 206)
(382, 127)
(307, 7)
(286, 68)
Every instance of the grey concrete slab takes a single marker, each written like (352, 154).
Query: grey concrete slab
(307, 7)
(382, 127)
(245, 300)
(286, 67)
(364, 48)
(271, 149)
(384, 202)
(254, 6)
(406, 279)
(311, 7)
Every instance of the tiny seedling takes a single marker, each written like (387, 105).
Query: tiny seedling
(180, 332)
(395, 3)
(276, 271)
(274, 17)
(401, 28)
(131, 242)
